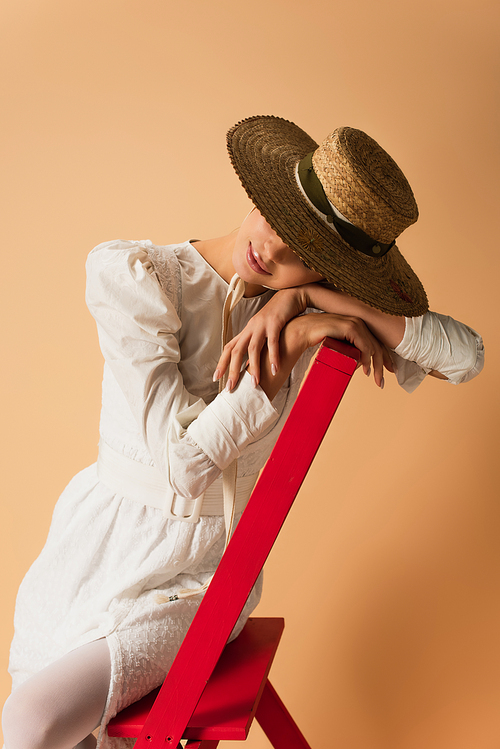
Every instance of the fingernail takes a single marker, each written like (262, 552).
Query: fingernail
(254, 381)
(369, 370)
(216, 375)
(274, 369)
(229, 386)
(382, 383)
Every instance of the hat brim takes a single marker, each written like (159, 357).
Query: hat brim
(264, 151)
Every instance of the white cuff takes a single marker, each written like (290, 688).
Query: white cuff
(232, 421)
(437, 342)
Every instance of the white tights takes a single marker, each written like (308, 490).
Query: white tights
(59, 707)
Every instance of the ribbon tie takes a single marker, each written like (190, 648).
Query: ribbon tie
(235, 292)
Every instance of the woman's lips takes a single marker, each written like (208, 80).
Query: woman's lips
(255, 262)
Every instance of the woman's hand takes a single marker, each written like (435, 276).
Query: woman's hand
(313, 328)
(264, 328)
(299, 334)
(308, 330)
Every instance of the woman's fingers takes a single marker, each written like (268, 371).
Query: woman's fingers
(273, 345)
(378, 366)
(238, 356)
(264, 328)
(376, 357)
(381, 359)
(373, 354)
(254, 350)
(222, 364)
(228, 360)
(234, 356)
(248, 345)
(372, 357)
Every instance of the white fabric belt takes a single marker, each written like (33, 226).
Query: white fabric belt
(147, 485)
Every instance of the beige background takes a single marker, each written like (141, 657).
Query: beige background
(113, 118)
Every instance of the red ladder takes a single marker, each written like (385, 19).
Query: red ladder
(207, 697)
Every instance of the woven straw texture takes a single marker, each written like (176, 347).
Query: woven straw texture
(363, 183)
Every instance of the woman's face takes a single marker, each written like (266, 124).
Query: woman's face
(260, 257)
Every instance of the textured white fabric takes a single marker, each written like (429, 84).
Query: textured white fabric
(229, 423)
(437, 342)
(158, 311)
(148, 486)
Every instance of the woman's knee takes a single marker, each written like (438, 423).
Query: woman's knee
(60, 705)
(26, 723)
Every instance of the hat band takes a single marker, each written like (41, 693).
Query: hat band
(314, 192)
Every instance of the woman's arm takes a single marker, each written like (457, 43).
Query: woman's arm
(389, 329)
(306, 331)
(438, 345)
(265, 330)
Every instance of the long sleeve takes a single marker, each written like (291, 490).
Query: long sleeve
(139, 334)
(438, 342)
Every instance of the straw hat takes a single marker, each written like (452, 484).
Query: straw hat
(339, 206)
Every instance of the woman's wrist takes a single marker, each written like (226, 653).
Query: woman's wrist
(293, 301)
(389, 329)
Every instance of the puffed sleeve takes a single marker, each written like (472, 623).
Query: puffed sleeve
(138, 326)
(438, 342)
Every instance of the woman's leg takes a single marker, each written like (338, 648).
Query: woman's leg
(59, 707)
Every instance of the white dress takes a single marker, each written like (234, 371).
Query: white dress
(158, 312)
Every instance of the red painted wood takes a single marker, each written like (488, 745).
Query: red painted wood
(277, 723)
(227, 706)
(251, 543)
(206, 744)
(130, 721)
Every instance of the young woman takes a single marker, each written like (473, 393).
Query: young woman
(136, 537)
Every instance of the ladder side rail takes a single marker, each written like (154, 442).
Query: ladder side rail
(250, 545)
